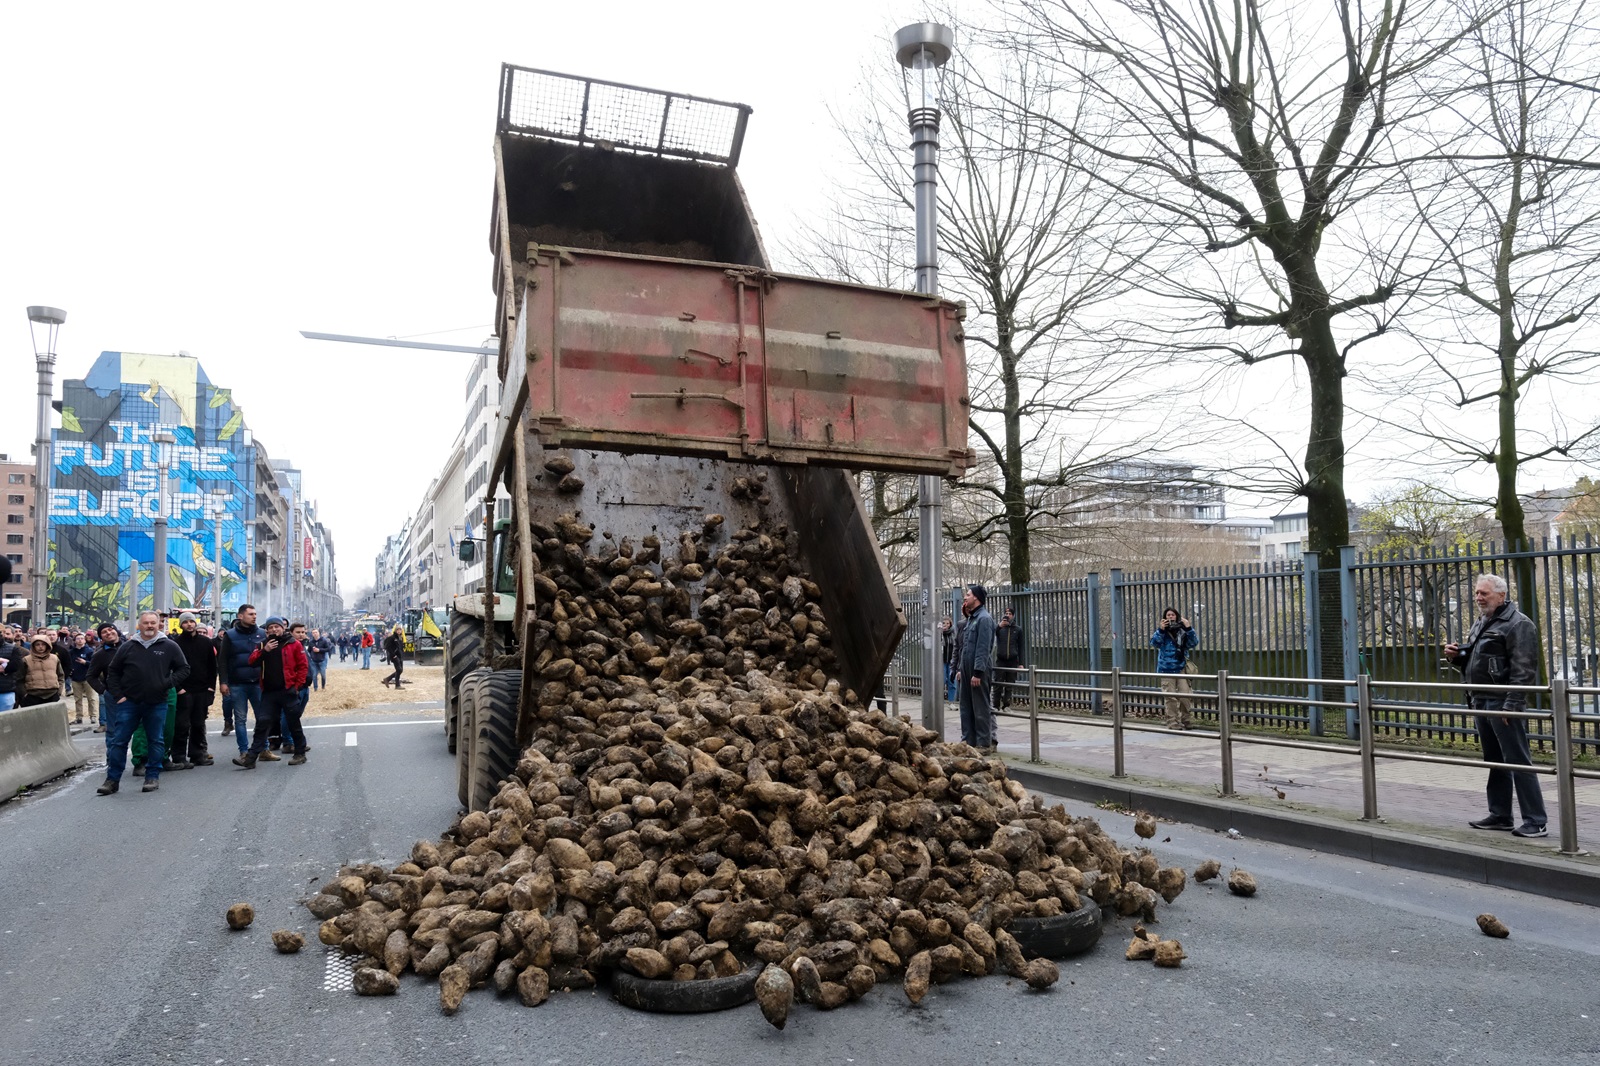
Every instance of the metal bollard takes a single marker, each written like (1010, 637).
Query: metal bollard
(894, 688)
(1119, 762)
(1225, 731)
(1369, 757)
(1033, 716)
(1566, 784)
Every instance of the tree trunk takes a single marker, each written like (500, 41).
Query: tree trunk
(1327, 515)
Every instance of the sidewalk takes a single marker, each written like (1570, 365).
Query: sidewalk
(1434, 800)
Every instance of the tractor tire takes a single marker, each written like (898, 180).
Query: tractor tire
(684, 997)
(466, 700)
(1061, 936)
(463, 652)
(494, 735)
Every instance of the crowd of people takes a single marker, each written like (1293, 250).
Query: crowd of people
(151, 691)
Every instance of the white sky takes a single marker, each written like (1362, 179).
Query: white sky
(215, 178)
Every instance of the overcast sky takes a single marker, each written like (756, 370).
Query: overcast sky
(215, 178)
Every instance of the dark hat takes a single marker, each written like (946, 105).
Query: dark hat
(284, 622)
(979, 593)
(103, 626)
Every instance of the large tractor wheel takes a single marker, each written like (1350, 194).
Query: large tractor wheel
(494, 735)
(466, 700)
(463, 652)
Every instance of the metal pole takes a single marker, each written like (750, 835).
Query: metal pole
(160, 571)
(1347, 623)
(1033, 715)
(1225, 731)
(45, 362)
(1311, 591)
(1369, 755)
(1119, 766)
(1566, 785)
(216, 606)
(1093, 640)
(894, 687)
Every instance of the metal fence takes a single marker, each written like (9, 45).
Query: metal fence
(1397, 611)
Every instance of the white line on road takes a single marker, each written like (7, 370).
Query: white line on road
(350, 739)
(346, 725)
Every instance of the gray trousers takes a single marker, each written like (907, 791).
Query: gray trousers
(977, 713)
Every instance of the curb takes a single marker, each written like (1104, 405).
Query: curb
(1540, 875)
(35, 746)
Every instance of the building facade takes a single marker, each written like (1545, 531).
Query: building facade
(21, 504)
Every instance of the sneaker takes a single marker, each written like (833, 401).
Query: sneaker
(1528, 829)
(271, 756)
(150, 785)
(1491, 822)
(107, 787)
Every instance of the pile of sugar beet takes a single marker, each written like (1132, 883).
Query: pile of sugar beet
(699, 794)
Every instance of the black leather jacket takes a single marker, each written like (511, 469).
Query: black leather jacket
(1501, 649)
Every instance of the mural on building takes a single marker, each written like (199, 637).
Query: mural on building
(104, 486)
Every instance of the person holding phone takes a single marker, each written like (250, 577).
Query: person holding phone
(284, 669)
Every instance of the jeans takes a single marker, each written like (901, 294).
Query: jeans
(126, 717)
(366, 658)
(319, 673)
(1506, 740)
(105, 710)
(8, 700)
(977, 715)
(245, 696)
(282, 707)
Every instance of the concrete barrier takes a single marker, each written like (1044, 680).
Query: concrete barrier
(35, 746)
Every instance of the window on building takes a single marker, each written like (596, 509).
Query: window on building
(13, 538)
(17, 479)
(15, 520)
(15, 558)
(15, 498)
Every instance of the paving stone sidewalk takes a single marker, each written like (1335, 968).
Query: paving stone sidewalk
(1421, 794)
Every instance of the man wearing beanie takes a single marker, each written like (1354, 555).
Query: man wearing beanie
(110, 636)
(976, 676)
(194, 695)
(284, 670)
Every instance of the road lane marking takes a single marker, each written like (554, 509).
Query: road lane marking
(350, 739)
(346, 725)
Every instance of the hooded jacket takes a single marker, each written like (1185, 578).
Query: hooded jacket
(201, 655)
(285, 668)
(235, 664)
(41, 673)
(143, 674)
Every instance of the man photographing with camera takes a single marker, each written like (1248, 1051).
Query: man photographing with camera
(1173, 640)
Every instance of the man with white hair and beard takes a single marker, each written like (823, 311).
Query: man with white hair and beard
(144, 668)
(1502, 649)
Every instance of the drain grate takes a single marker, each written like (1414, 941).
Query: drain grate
(339, 971)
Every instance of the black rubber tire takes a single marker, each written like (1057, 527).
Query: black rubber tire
(463, 651)
(1060, 936)
(495, 753)
(684, 997)
(467, 693)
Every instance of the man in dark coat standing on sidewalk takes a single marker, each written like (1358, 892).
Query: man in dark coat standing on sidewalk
(976, 677)
(189, 746)
(143, 669)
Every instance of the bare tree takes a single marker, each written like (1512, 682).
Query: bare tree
(1517, 220)
(1035, 252)
(1263, 142)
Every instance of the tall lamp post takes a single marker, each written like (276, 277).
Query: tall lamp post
(161, 571)
(220, 497)
(922, 48)
(51, 319)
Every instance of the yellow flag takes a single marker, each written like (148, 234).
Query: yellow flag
(430, 627)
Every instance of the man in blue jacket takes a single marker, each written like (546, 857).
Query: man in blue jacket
(975, 678)
(237, 676)
(1173, 640)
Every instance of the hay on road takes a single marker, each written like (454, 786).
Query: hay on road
(355, 689)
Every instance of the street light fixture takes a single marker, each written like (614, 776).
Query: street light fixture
(922, 48)
(51, 319)
(161, 571)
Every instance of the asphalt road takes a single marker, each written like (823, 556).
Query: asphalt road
(113, 949)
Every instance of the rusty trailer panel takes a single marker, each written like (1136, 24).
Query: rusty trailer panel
(638, 353)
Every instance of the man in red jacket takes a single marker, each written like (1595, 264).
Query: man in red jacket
(284, 669)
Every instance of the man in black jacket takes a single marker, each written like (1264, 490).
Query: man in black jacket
(1008, 652)
(110, 637)
(194, 695)
(1502, 649)
(143, 669)
(11, 654)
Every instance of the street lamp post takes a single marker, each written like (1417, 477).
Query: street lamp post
(51, 318)
(220, 497)
(161, 572)
(922, 48)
